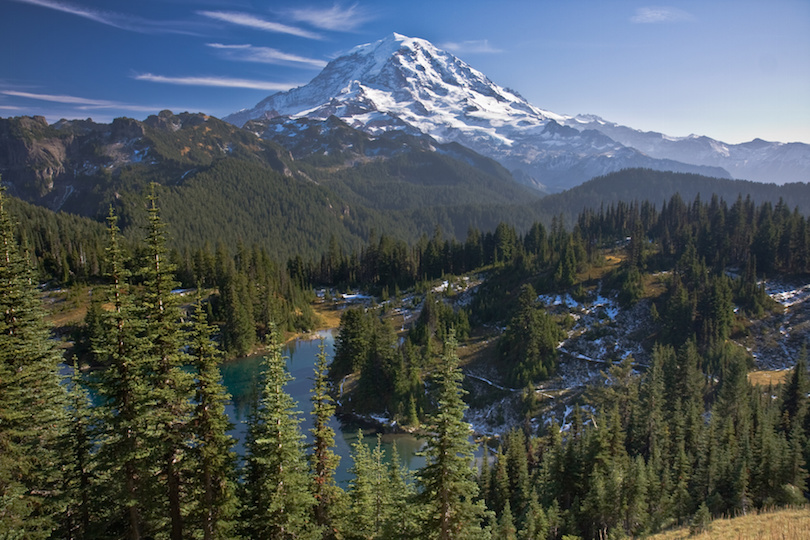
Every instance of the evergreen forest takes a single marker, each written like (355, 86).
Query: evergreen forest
(125, 435)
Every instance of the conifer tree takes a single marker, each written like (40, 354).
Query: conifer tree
(506, 524)
(32, 401)
(277, 501)
(324, 461)
(79, 470)
(171, 386)
(214, 477)
(518, 470)
(120, 415)
(402, 522)
(529, 343)
(447, 481)
(369, 492)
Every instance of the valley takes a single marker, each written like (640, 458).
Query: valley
(593, 331)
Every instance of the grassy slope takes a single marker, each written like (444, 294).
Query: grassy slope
(788, 524)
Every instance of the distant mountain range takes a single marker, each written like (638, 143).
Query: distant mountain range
(223, 183)
(395, 138)
(408, 84)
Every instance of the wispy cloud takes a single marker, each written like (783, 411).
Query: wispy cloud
(80, 102)
(251, 21)
(474, 46)
(648, 15)
(345, 19)
(265, 55)
(121, 21)
(224, 82)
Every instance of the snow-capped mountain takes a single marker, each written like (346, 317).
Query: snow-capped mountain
(757, 160)
(403, 83)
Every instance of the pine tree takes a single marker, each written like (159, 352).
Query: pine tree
(324, 461)
(369, 492)
(506, 524)
(402, 523)
(214, 477)
(120, 415)
(447, 481)
(277, 500)
(171, 386)
(79, 470)
(32, 401)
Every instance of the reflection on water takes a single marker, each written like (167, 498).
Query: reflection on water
(241, 378)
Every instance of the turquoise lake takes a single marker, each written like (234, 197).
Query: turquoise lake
(241, 378)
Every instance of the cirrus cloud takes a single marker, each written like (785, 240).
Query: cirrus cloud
(337, 18)
(265, 55)
(251, 21)
(648, 15)
(223, 82)
(122, 21)
(80, 102)
(473, 46)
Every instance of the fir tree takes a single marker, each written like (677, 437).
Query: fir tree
(32, 401)
(277, 501)
(369, 492)
(323, 460)
(447, 480)
(79, 470)
(506, 524)
(171, 386)
(402, 523)
(122, 410)
(214, 477)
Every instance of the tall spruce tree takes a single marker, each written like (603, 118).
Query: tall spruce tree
(171, 387)
(121, 412)
(217, 505)
(79, 470)
(324, 461)
(447, 481)
(369, 492)
(32, 401)
(277, 501)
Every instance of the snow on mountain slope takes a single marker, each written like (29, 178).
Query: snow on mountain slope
(412, 80)
(757, 160)
(403, 83)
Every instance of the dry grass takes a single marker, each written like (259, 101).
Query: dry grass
(611, 261)
(328, 314)
(477, 349)
(767, 378)
(65, 308)
(789, 524)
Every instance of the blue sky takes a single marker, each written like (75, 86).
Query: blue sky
(731, 70)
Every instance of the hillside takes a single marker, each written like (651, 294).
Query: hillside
(222, 183)
(408, 84)
(789, 524)
(659, 186)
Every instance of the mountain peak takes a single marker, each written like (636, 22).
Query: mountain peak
(408, 84)
(388, 45)
(401, 82)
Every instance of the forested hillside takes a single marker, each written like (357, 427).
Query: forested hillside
(471, 270)
(657, 187)
(676, 440)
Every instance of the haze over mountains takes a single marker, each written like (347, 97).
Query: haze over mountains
(408, 84)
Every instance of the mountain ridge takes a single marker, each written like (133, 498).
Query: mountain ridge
(408, 84)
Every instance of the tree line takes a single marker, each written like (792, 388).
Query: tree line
(149, 455)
